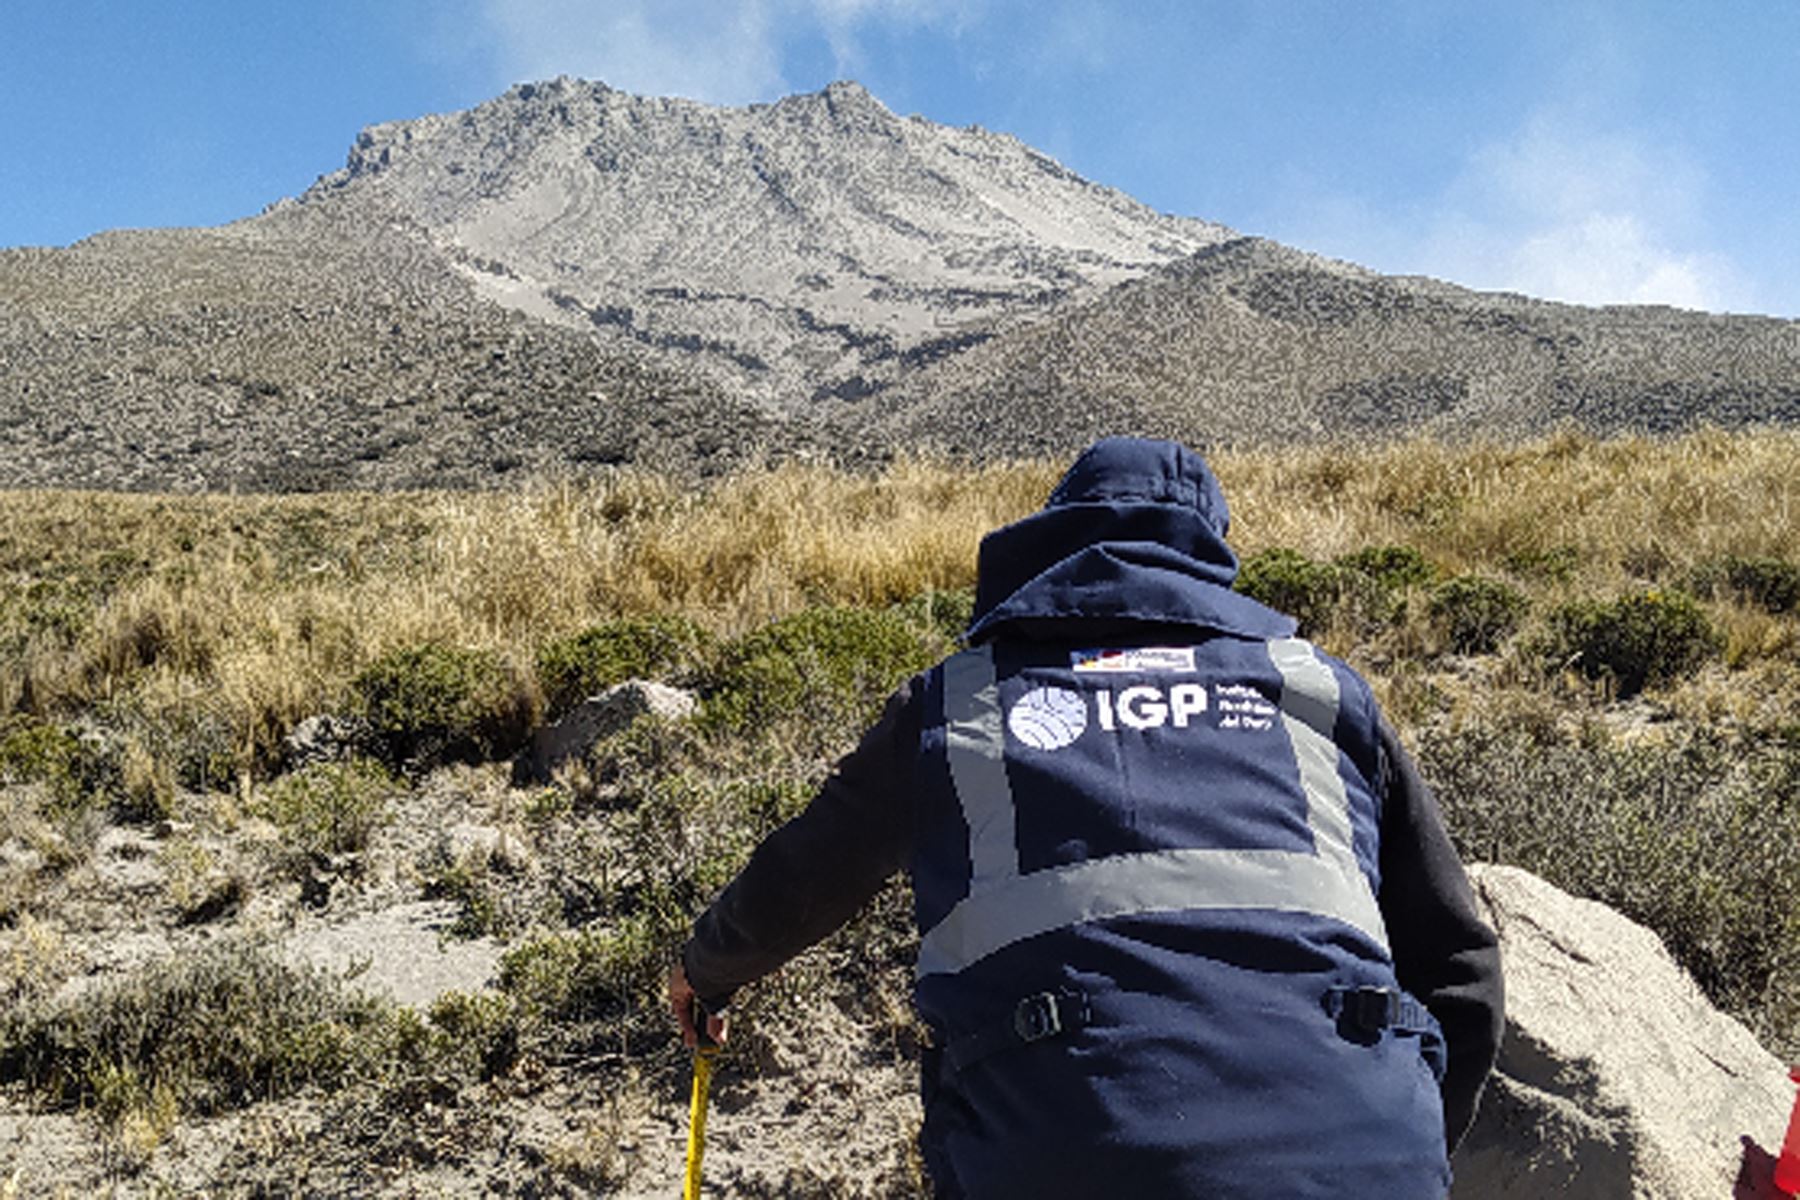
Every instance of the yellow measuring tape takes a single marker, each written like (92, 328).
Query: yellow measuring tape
(703, 1060)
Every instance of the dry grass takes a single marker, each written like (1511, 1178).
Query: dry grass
(1615, 504)
(258, 610)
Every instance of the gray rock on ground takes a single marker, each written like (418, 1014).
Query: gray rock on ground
(1617, 1078)
(598, 717)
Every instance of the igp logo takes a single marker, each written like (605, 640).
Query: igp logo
(1048, 718)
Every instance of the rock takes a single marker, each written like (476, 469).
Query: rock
(325, 738)
(600, 717)
(488, 845)
(1616, 1078)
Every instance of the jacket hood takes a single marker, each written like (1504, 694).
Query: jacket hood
(1134, 531)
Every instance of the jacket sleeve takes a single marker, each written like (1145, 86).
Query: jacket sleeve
(1444, 953)
(812, 875)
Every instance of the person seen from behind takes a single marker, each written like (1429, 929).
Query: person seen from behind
(1190, 922)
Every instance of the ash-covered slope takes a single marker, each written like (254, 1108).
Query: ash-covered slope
(303, 353)
(816, 247)
(1251, 342)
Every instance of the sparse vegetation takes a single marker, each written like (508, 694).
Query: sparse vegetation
(328, 808)
(1632, 644)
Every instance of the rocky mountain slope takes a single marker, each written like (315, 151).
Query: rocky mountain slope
(1250, 342)
(569, 277)
(808, 248)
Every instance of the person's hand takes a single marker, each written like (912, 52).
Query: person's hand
(684, 1002)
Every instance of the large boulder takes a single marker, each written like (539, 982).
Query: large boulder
(1617, 1078)
(596, 718)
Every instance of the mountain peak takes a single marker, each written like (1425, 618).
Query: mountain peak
(798, 248)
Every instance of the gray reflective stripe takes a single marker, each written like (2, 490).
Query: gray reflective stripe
(976, 744)
(1123, 885)
(1004, 907)
(1310, 703)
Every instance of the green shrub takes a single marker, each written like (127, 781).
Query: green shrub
(591, 974)
(1697, 839)
(947, 613)
(435, 703)
(660, 647)
(1772, 584)
(329, 808)
(1317, 594)
(836, 664)
(81, 770)
(1634, 641)
(34, 751)
(1475, 614)
(1393, 567)
(1289, 582)
(224, 1025)
(479, 1034)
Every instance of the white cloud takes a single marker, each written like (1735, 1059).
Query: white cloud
(1556, 210)
(1581, 215)
(721, 51)
(717, 50)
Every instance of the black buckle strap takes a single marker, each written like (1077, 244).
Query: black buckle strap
(1033, 1019)
(1372, 1011)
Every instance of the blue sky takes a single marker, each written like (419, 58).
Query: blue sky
(1603, 152)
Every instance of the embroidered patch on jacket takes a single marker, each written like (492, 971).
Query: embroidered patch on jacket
(1142, 659)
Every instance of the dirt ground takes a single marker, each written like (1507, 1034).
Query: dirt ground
(825, 1107)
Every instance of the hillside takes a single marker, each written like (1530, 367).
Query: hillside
(1250, 342)
(255, 774)
(568, 278)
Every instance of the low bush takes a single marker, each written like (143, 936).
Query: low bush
(594, 984)
(1361, 591)
(667, 648)
(329, 808)
(1393, 567)
(1290, 582)
(1772, 584)
(1474, 614)
(37, 751)
(477, 1035)
(1635, 641)
(833, 664)
(1696, 839)
(435, 703)
(224, 1026)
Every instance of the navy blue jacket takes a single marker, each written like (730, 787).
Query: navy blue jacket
(1191, 924)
